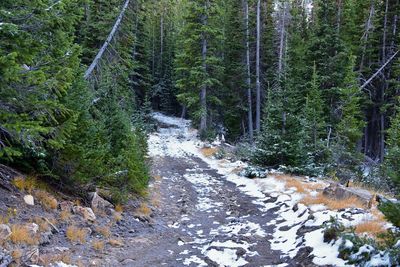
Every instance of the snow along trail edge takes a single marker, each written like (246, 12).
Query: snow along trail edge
(270, 229)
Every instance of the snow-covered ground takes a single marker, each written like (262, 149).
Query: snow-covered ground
(270, 195)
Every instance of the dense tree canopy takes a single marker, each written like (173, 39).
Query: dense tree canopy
(311, 85)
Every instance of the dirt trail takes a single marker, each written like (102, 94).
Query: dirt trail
(203, 219)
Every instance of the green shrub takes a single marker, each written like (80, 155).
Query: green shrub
(391, 211)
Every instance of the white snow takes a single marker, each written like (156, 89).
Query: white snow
(194, 259)
(325, 254)
(181, 141)
(226, 257)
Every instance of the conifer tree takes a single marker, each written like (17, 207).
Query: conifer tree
(349, 129)
(198, 67)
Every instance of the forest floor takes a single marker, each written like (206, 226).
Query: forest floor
(199, 212)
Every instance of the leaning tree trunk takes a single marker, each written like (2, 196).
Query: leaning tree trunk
(258, 85)
(248, 78)
(203, 93)
(107, 42)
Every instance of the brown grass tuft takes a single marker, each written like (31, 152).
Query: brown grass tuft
(333, 204)
(209, 151)
(77, 202)
(143, 209)
(104, 231)
(21, 235)
(46, 199)
(65, 215)
(157, 177)
(98, 245)
(25, 184)
(116, 243)
(76, 235)
(17, 254)
(47, 259)
(372, 228)
(119, 208)
(117, 217)
(294, 183)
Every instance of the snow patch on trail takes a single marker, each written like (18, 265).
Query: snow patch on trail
(270, 194)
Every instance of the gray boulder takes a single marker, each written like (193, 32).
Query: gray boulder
(338, 191)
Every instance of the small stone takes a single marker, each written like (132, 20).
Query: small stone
(240, 252)
(5, 231)
(128, 262)
(295, 207)
(339, 191)
(32, 256)
(32, 228)
(29, 200)
(98, 203)
(86, 213)
(45, 238)
(60, 249)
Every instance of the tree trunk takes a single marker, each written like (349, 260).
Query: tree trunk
(364, 38)
(282, 42)
(384, 85)
(107, 42)
(161, 42)
(248, 78)
(258, 85)
(203, 94)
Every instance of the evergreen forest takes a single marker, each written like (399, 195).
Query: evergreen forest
(274, 124)
(310, 87)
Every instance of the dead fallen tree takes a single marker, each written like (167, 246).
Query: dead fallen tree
(379, 70)
(107, 42)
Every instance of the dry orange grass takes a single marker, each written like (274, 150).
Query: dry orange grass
(47, 200)
(294, 183)
(98, 245)
(47, 259)
(117, 217)
(209, 151)
(119, 208)
(157, 177)
(25, 184)
(4, 219)
(116, 243)
(21, 235)
(65, 215)
(143, 209)
(301, 187)
(17, 254)
(333, 204)
(77, 202)
(372, 228)
(104, 231)
(76, 235)
(379, 216)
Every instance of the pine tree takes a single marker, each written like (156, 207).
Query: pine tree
(38, 62)
(314, 128)
(198, 67)
(349, 129)
(391, 163)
